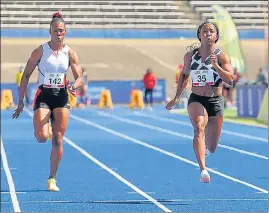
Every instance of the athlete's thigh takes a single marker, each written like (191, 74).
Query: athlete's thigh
(213, 129)
(60, 120)
(197, 114)
(41, 120)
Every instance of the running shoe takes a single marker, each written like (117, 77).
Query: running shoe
(205, 177)
(52, 185)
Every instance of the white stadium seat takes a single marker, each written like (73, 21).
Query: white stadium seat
(130, 14)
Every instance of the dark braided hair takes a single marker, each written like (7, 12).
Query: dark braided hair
(56, 17)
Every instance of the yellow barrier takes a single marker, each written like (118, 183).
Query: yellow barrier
(6, 99)
(263, 112)
(136, 99)
(72, 100)
(105, 100)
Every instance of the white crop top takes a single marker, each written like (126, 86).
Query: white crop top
(53, 68)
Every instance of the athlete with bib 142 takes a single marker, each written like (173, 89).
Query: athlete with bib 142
(51, 101)
(208, 67)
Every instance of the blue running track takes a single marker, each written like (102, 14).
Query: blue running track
(132, 161)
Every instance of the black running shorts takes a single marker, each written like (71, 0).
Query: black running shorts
(51, 98)
(213, 105)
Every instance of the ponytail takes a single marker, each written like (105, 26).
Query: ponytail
(56, 17)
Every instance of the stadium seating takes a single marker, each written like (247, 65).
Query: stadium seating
(98, 14)
(130, 14)
(246, 14)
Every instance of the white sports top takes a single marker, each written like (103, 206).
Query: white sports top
(53, 68)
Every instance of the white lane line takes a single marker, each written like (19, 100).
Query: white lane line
(226, 120)
(164, 152)
(188, 124)
(14, 192)
(142, 201)
(168, 66)
(177, 134)
(145, 192)
(109, 170)
(11, 185)
(139, 191)
(10, 168)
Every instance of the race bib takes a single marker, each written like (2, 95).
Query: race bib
(54, 80)
(202, 77)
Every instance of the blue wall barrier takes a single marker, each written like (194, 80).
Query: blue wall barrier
(119, 33)
(249, 100)
(263, 112)
(120, 90)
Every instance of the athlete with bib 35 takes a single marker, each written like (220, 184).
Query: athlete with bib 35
(208, 67)
(51, 101)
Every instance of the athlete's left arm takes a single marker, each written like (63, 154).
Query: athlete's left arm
(225, 70)
(76, 69)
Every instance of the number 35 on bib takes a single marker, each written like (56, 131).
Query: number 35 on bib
(54, 80)
(202, 77)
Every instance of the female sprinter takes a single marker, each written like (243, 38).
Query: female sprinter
(208, 67)
(53, 60)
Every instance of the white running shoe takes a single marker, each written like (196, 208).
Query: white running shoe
(205, 177)
(52, 185)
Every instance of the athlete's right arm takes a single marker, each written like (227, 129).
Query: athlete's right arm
(29, 68)
(183, 80)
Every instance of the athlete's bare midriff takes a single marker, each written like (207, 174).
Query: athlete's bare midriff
(207, 91)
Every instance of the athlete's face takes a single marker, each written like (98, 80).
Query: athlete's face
(208, 33)
(58, 32)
